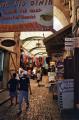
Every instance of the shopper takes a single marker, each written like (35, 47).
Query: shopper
(12, 86)
(38, 77)
(24, 85)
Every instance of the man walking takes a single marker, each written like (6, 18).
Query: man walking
(24, 85)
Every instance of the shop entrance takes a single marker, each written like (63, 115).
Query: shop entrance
(1, 69)
(4, 68)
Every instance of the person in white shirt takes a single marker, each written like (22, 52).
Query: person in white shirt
(38, 77)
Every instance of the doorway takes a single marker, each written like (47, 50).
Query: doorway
(1, 68)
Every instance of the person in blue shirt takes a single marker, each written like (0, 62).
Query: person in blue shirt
(12, 86)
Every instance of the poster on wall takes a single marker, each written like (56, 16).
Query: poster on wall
(26, 15)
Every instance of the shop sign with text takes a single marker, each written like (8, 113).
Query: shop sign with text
(26, 15)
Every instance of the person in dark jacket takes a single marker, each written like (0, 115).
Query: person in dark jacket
(24, 86)
(12, 86)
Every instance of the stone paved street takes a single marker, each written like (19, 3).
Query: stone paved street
(42, 106)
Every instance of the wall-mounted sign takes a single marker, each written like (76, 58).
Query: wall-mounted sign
(26, 15)
(71, 43)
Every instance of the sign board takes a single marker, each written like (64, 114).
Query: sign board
(26, 15)
(71, 43)
(68, 48)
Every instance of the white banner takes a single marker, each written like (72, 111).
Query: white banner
(71, 43)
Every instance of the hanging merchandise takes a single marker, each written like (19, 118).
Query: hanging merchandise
(21, 60)
(39, 61)
(32, 57)
(60, 69)
(25, 59)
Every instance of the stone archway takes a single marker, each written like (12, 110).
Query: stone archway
(60, 15)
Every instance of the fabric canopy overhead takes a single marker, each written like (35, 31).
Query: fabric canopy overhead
(26, 15)
(55, 43)
(33, 42)
(34, 45)
(29, 39)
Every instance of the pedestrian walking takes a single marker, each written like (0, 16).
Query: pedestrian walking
(24, 86)
(38, 77)
(12, 86)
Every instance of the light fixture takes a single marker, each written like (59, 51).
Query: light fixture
(38, 44)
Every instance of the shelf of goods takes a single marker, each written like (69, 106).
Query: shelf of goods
(60, 70)
(65, 89)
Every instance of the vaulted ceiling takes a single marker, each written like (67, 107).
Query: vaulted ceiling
(56, 42)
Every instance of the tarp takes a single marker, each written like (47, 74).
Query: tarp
(26, 15)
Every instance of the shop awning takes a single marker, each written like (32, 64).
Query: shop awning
(55, 43)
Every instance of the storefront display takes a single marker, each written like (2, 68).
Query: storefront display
(69, 68)
(60, 69)
(65, 90)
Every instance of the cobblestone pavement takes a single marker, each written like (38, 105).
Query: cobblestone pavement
(4, 95)
(42, 107)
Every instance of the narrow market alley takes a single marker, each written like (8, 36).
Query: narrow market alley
(42, 106)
